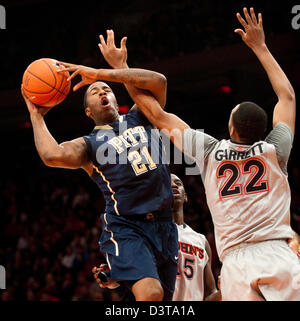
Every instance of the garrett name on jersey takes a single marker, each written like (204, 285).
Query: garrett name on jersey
(230, 154)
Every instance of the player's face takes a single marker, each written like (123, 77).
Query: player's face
(102, 105)
(230, 124)
(178, 190)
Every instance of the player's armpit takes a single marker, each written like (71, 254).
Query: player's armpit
(174, 127)
(285, 112)
(71, 154)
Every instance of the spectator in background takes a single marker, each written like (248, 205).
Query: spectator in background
(195, 280)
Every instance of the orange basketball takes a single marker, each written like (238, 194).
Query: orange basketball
(43, 85)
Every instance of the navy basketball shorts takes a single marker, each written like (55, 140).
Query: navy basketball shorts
(137, 249)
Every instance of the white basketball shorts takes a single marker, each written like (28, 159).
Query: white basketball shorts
(268, 270)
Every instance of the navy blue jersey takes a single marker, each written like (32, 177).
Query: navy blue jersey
(129, 166)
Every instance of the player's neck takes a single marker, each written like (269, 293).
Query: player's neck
(104, 122)
(178, 216)
(237, 140)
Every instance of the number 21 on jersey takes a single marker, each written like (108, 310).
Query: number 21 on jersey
(231, 172)
(135, 158)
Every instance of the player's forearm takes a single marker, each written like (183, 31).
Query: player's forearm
(215, 296)
(140, 78)
(135, 78)
(47, 147)
(130, 88)
(279, 81)
(170, 124)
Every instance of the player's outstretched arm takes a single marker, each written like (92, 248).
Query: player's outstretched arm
(253, 36)
(139, 78)
(171, 125)
(71, 154)
(117, 59)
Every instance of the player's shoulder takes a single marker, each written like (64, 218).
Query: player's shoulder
(199, 133)
(79, 142)
(133, 113)
(188, 230)
(281, 132)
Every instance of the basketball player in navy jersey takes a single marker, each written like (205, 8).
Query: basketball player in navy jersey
(124, 156)
(195, 280)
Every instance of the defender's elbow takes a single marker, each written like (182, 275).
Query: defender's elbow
(289, 95)
(158, 118)
(162, 80)
(292, 95)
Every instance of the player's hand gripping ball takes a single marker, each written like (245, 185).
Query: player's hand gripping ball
(43, 85)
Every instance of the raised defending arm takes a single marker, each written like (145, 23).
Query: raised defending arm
(141, 80)
(253, 36)
(117, 59)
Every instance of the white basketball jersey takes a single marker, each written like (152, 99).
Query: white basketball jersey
(192, 259)
(247, 193)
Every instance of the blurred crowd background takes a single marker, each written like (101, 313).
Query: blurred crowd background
(156, 29)
(49, 218)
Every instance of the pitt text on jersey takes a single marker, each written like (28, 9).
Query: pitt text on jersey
(133, 145)
(129, 146)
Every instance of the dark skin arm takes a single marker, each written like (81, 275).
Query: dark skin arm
(117, 59)
(140, 81)
(73, 154)
(210, 290)
(254, 38)
(70, 154)
(146, 80)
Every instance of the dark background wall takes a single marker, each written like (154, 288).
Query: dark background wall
(49, 225)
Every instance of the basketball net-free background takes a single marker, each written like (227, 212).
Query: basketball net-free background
(49, 218)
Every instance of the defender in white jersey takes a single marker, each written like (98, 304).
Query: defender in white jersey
(195, 280)
(246, 183)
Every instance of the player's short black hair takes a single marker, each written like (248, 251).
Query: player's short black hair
(250, 121)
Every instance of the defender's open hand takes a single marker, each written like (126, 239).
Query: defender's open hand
(253, 33)
(115, 57)
(88, 75)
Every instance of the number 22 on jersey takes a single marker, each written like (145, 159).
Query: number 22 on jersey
(254, 169)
